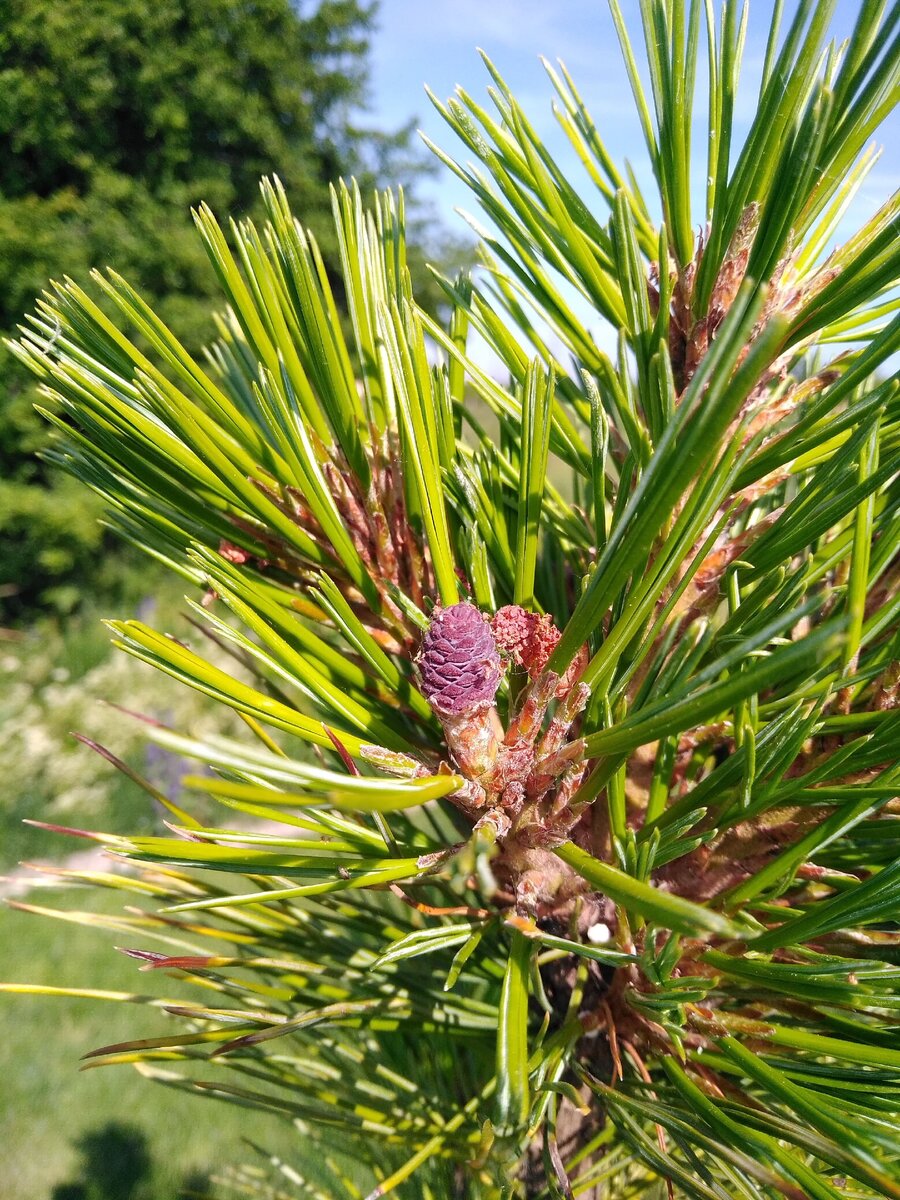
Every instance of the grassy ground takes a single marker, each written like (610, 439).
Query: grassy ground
(60, 1126)
(48, 1107)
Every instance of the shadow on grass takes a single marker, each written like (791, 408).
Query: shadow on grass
(116, 1165)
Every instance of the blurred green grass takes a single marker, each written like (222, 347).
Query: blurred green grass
(48, 1105)
(54, 679)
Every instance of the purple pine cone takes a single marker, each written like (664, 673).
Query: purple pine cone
(458, 662)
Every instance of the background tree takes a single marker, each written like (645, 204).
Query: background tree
(117, 116)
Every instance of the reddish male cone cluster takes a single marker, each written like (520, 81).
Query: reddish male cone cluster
(521, 777)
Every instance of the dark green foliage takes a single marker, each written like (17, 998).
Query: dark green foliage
(116, 117)
(121, 115)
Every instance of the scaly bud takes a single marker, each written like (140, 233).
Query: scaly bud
(460, 672)
(458, 663)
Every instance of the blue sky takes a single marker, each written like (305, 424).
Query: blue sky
(434, 42)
